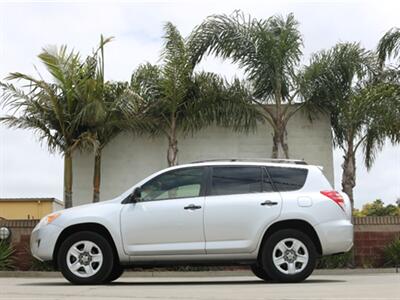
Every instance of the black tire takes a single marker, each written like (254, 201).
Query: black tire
(259, 272)
(105, 268)
(267, 256)
(116, 273)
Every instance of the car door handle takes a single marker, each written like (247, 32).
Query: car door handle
(269, 203)
(192, 207)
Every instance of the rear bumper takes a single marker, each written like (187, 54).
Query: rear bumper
(335, 236)
(43, 241)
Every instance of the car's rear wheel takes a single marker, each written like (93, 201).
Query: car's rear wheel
(289, 255)
(258, 270)
(86, 258)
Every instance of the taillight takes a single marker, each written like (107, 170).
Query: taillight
(335, 196)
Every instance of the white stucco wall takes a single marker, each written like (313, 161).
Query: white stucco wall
(128, 159)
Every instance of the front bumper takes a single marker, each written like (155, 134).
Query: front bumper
(335, 236)
(43, 241)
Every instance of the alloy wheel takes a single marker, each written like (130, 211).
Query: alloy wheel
(84, 259)
(290, 256)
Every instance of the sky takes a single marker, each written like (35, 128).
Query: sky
(27, 169)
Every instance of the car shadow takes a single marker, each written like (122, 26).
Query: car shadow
(177, 283)
(228, 282)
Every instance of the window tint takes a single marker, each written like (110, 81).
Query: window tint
(287, 179)
(181, 183)
(267, 184)
(236, 180)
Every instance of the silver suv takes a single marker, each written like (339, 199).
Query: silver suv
(276, 216)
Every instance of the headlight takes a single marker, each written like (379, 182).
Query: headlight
(49, 219)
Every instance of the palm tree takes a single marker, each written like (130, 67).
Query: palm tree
(110, 108)
(269, 52)
(345, 81)
(182, 100)
(51, 108)
(118, 109)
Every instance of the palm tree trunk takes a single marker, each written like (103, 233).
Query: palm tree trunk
(349, 173)
(280, 148)
(97, 176)
(68, 179)
(172, 154)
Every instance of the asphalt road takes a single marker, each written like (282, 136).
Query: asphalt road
(365, 286)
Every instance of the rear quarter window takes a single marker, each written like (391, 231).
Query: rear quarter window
(287, 179)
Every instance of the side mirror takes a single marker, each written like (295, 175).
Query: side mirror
(136, 196)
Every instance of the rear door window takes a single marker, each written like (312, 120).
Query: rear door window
(287, 179)
(267, 183)
(236, 180)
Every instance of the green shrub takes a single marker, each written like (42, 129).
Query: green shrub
(6, 252)
(38, 265)
(344, 260)
(392, 253)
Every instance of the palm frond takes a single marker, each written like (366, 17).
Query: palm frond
(146, 81)
(225, 36)
(389, 45)
(39, 127)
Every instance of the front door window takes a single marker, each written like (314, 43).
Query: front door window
(180, 183)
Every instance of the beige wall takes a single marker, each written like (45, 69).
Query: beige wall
(12, 210)
(128, 159)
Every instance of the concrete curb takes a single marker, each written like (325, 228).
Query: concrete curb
(138, 274)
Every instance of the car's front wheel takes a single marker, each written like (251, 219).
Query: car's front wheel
(86, 258)
(116, 273)
(289, 255)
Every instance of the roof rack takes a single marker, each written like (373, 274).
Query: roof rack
(271, 160)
